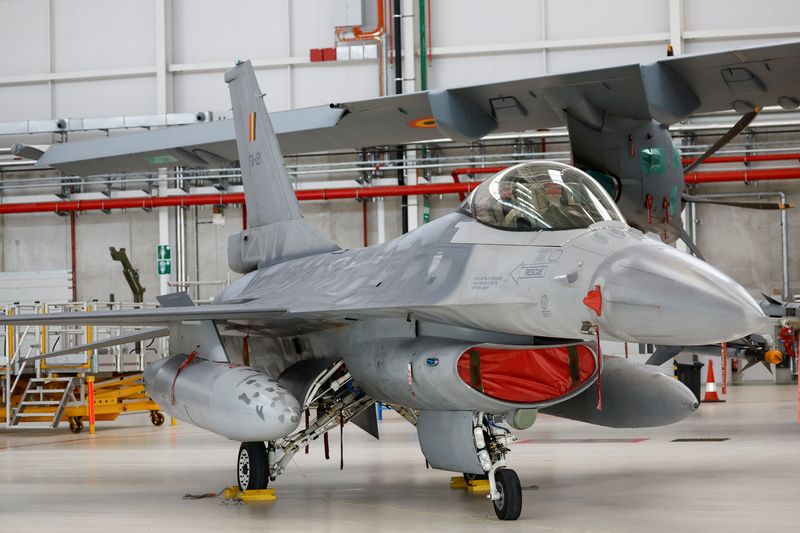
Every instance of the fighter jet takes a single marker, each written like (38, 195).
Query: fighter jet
(617, 119)
(467, 326)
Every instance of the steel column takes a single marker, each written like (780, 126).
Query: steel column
(73, 256)
(163, 229)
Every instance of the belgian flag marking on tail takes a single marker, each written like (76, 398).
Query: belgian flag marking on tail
(251, 131)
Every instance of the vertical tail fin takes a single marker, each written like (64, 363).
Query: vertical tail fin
(267, 188)
(277, 229)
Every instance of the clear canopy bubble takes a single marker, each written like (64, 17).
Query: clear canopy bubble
(541, 195)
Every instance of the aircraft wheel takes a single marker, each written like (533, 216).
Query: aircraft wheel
(509, 505)
(75, 425)
(156, 418)
(251, 468)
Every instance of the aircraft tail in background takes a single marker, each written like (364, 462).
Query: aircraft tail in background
(276, 229)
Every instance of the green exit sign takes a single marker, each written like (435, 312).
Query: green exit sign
(164, 267)
(164, 260)
(164, 252)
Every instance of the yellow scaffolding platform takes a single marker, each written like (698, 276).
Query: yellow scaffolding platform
(112, 397)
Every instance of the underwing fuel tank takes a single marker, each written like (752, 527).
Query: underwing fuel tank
(632, 396)
(237, 402)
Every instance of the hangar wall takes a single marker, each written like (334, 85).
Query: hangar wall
(85, 58)
(82, 58)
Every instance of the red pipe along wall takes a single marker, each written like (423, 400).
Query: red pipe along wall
(458, 187)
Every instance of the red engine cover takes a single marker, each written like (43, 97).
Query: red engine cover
(527, 375)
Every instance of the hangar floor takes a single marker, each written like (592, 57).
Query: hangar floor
(131, 476)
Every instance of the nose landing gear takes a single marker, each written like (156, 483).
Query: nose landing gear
(507, 494)
(505, 491)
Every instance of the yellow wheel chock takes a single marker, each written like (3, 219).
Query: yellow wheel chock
(262, 495)
(474, 486)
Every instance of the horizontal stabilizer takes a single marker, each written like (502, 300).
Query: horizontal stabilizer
(27, 152)
(143, 335)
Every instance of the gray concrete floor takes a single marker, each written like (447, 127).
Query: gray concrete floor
(131, 476)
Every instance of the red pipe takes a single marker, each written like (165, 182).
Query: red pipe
(390, 55)
(374, 34)
(363, 35)
(386, 191)
(458, 172)
(151, 202)
(458, 187)
(90, 401)
(744, 158)
(461, 195)
(743, 175)
(700, 177)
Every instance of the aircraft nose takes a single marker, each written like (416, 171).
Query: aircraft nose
(656, 294)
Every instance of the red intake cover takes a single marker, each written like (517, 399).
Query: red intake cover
(526, 375)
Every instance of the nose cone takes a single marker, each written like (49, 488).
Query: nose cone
(656, 294)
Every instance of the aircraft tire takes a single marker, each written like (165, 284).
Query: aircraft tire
(509, 506)
(251, 466)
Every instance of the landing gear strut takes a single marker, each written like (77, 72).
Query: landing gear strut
(491, 441)
(334, 402)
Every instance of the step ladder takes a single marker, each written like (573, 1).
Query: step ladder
(54, 400)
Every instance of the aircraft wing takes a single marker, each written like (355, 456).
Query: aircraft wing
(250, 318)
(668, 91)
(141, 317)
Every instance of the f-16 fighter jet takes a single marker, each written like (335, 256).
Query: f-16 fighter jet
(467, 325)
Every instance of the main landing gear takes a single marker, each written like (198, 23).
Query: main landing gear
(252, 466)
(334, 402)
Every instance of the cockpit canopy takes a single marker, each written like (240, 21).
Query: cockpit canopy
(541, 195)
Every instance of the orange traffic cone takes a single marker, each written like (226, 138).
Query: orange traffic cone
(711, 386)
